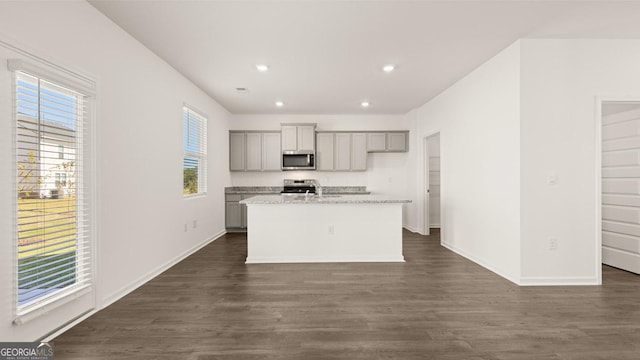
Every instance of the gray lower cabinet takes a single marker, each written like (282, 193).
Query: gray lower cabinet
(235, 217)
(236, 213)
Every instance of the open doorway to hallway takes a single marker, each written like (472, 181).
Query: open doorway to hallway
(620, 187)
(432, 208)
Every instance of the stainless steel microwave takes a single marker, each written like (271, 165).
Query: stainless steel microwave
(298, 160)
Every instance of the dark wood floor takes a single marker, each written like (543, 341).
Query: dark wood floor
(437, 305)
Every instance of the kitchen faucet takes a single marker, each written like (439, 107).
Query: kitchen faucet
(318, 187)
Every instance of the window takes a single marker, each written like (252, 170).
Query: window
(61, 180)
(53, 257)
(194, 164)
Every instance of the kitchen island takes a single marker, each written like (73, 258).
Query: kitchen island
(329, 228)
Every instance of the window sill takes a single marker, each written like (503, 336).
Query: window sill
(46, 306)
(195, 196)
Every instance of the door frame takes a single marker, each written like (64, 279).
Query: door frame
(426, 197)
(599, 101)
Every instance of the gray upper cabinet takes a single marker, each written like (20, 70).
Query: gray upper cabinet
(289, 138)
(387, 141)
(341, 151)
(298, 137)
(271, 154)
(324, 152)
(335, 151)
(376, 142)
(397, 141)
(358, 152)
(254, 151)
(236, 151)
(307, 138)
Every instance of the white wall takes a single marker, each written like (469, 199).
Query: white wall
(140, 209)
(478, 120)
(561, 80)
(387, 173)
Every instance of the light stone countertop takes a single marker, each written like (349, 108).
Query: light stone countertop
(324, 199)
(266, 190)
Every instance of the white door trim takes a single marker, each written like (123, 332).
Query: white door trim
(425, 184)
(599, 100)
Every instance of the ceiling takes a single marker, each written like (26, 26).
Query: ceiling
(326, 57)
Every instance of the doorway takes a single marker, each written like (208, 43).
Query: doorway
(431, 195)
(620, 184)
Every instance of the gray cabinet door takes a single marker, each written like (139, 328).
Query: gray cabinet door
(342, 152)
(377, 142)
(306, 138)
(271, 154)
(358, 152)
(253, 151)
(289, 138)
(233, 213)
(324, 152)
(397, 141)
(236, 151)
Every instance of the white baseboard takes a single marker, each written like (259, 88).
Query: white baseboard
(622, 259)
(290, 260)
(411, 228)
(527, 281)
(558, 281)
(482, 263)
(68, 326)
(157, 271)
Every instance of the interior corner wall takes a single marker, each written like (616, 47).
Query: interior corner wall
(479, 123)
(141, 212)
(561, 81)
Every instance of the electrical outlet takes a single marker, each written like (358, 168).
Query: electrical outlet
(553, 244)
(185, 228)
(195, 224)
(330, 229)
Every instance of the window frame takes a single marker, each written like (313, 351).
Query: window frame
(86, 87)
(189, 112)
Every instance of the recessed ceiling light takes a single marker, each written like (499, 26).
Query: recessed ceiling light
(279, 104)
(388, 68)
(262, 67)
(365, 104)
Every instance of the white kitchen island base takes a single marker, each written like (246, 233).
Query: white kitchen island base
(322, 231)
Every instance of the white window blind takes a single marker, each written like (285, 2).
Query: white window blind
(52, 200)
(194, 164)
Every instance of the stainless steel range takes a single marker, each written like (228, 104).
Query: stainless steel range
(303, 186)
